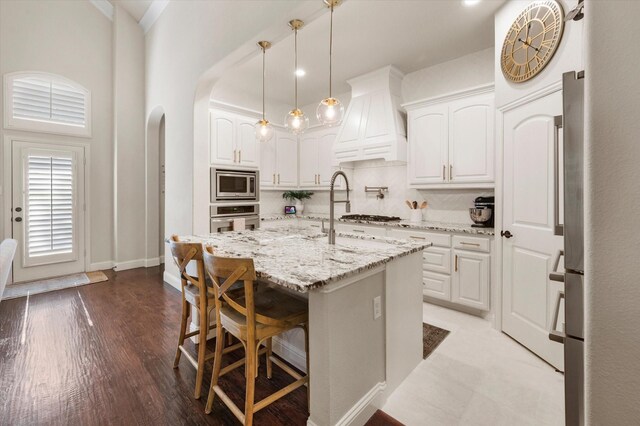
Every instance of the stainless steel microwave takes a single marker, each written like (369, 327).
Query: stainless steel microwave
(229, 184)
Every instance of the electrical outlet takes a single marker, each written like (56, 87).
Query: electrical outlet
(377, 308)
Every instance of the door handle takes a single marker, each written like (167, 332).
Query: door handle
(455, 266)
(18, 219)
(450, 171)
(278, 178)
(555, 275)
(234, 155)
(557, 125)
(444, 171)
(506, 234)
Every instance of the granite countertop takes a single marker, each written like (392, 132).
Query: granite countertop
(300, 258)
(424, 225)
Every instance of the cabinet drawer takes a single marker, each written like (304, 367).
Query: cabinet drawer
(441, 240)
(437, 259)
(471, 243)
(436, 285)
(359, 229)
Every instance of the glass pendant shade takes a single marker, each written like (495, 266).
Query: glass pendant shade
(330, 112)
(264, 130)
(296, 121)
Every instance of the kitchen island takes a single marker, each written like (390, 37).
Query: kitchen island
(365, 310)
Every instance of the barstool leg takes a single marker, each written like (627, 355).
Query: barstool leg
(217, 364)
(186, 309)
(269, 351)
(202, 349)
(251, 383)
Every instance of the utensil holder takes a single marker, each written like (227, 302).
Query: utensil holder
(416, 215)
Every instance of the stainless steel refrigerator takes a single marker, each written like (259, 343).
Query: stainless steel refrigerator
(571, 173)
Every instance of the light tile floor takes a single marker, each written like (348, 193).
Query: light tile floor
(477, 376)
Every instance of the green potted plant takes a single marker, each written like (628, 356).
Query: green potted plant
(298, 197)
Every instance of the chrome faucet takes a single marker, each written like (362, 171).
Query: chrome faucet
(333, 202)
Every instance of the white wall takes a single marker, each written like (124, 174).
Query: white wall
(612, 200)
(470, 70)
(72, 39)
(569, 55)
(129, 140)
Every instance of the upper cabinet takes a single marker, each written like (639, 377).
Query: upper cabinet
(316, 157)
(374, 123)
(452, 141)
(279, 161)
(232, 139)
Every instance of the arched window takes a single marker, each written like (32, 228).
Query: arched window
(47, 103)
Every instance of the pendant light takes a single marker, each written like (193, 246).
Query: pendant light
(330, 110)
(264, 129)
(296, 121)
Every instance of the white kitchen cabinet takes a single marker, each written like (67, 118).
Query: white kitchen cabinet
(471, 139)
(316, 158)
(352, 228)
(279, 161)
(436, 285)
(471, 279)
(232, 139)
(452, 140)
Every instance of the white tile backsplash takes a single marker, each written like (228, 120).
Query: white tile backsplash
(446, 205)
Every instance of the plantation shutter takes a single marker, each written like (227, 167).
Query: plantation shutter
(43, 99)
(50, 200)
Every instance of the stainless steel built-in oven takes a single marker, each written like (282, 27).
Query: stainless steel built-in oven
(227, 184)
(226, 216)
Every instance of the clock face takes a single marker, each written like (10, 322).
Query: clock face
(532, 40)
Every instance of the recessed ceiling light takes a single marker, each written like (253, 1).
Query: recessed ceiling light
(300, 72)
(470, 2)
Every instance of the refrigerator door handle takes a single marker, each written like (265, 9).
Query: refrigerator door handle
(555, 275)
(557, 336)
(557, 125)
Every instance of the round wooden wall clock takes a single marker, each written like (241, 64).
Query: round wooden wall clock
(532, 40)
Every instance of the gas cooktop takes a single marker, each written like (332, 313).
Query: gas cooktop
(370, 218)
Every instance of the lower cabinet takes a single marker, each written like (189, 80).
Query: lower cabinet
(436, 285)
(470, 284)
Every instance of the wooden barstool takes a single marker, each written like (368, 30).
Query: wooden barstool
(253, 317)
(194, 293)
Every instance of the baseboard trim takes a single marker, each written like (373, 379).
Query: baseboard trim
(290, 353)
(149, 263)
(101, 266)
(362, 411)
(131, 264)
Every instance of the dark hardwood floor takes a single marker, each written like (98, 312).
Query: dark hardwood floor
(103, 354)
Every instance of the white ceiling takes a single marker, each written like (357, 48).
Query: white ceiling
(410, 34)
(135, 8)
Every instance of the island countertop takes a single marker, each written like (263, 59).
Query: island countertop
(300, 258)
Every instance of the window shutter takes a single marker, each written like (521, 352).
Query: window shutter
(50, 202)
(49, 100)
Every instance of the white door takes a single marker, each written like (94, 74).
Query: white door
(528, 294)
(428, 142)
(287, 160)
(247, 143)
(471, 140)
(471, 279)
(309, 160)
(47, 210)
(223, 138)
(325, 157)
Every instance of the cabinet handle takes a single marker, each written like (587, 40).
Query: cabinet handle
(274, 178)
(234, 155)
(357, 230)
(278, 178)
(469, 244)
(558, 229)
(444, 170)
(417, 238)
(456, 264)
(239, 156)
(450, 171)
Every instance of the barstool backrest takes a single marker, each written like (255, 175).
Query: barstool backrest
(184, 253)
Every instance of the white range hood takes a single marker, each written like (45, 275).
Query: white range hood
(374, 125)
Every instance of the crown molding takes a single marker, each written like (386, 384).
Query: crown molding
(105, 7)
(152, 14)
